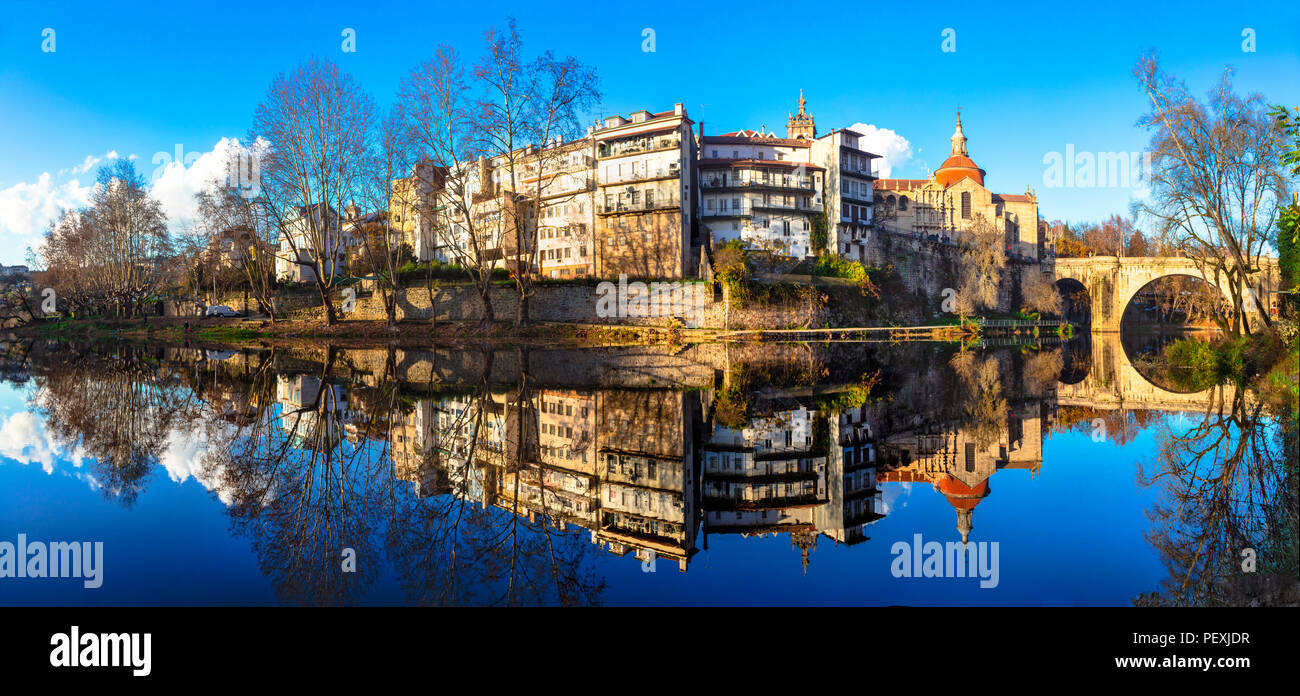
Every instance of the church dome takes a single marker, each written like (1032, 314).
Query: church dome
(961, 496)
(959, 165)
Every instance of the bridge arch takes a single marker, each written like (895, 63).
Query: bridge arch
(1112, 282)
(1112, 381)
(1126, 306)
(1076, 303)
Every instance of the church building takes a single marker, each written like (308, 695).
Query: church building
(941, 207)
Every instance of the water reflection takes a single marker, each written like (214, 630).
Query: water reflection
(507, 476)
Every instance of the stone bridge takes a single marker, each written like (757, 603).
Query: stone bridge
(1112, 382)
(1112, 282)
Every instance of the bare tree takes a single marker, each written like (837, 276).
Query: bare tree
(1038, 292)
(1217, 181)
(317, 121)
(980, 267)
(385, 248)
(114, 253)
(237, 220)
(444, 129)
(529, 108)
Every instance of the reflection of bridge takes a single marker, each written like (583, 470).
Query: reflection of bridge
(1113, 382)
(1112, 282)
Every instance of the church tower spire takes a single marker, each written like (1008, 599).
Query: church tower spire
(959, 138)
(801, 125)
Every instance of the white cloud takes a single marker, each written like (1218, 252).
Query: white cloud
(894, 150)
(88, 164)
(186, 448)
(174, 182)
(24, 439)
(26, 209)
(893, 494)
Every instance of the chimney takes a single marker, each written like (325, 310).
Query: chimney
(678, 110)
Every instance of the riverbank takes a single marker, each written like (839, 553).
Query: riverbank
(349, 332)
(377, 332)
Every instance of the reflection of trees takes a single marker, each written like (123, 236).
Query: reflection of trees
(485, 541)
(1122, 426)
(119, 410)
(1227, 484)
(1041, 372)
(983, 405)
(304, 488)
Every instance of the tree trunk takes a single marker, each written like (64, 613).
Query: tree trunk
(489, 317)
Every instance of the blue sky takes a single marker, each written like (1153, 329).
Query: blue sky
(135, 80)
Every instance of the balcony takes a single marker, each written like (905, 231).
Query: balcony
(640, 206)
(717, 184)
(747, 209)
(672, 171)
(634, 147)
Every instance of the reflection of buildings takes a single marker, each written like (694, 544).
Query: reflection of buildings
(958, 465)
(624, 465)
(794, 471)
(620, 464)
(313, 412)
(646, 465)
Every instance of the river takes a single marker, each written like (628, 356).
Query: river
(1039, 473)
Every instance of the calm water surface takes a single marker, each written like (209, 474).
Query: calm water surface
(759, 474)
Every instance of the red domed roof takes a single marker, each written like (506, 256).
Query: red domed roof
(956, 168)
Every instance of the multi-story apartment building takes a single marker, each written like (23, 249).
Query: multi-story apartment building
(621, 464)
(532, 210)
(556, 477)
(775, 193)
(849, 192)
(646, 464)
(645, 196)
(301, 234)
(564, 177)
(313, 412)
(413, 202)
(761, 189)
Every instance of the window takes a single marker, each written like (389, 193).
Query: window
(902, 203)
(715, 154)
(965, 205)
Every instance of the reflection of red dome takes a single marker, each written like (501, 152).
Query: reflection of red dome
(961, 496)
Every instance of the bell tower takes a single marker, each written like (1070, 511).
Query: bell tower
(801, 125)
(959, 139)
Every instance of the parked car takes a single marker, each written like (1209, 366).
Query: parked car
(220, 310)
